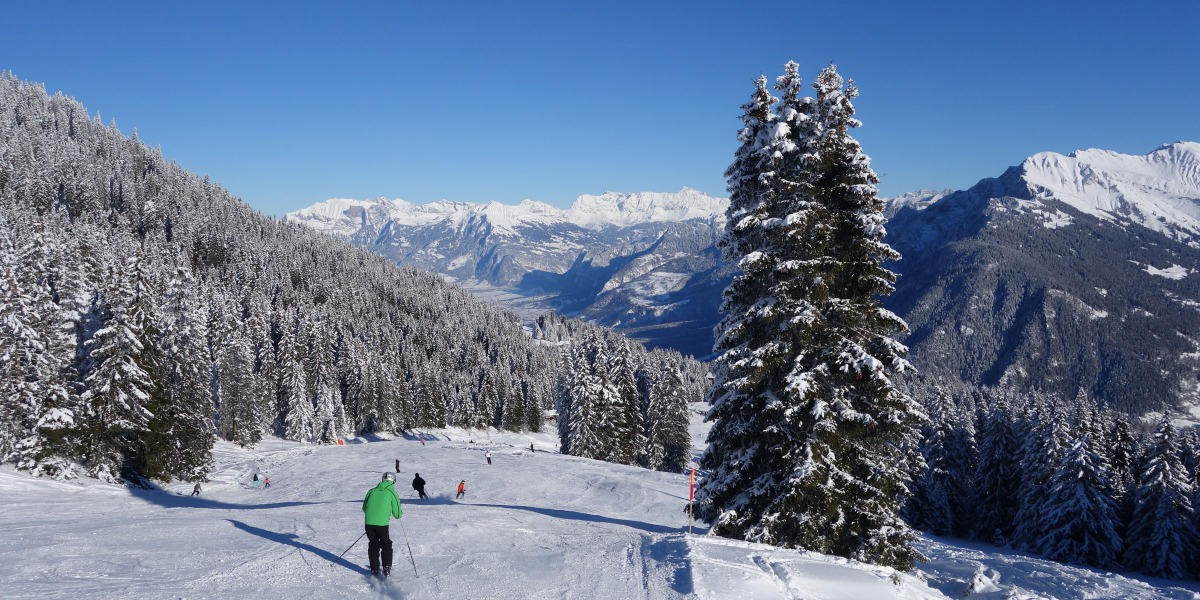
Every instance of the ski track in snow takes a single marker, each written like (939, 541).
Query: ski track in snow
(532, 526)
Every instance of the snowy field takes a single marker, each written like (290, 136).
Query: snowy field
(532, 525)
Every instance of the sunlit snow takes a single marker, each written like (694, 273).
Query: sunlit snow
(1160, 190)
(536, 525)
(1171, 272)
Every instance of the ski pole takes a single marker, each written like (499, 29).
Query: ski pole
(347, 549)
(410, 555)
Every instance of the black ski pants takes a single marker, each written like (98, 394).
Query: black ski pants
(379, 542)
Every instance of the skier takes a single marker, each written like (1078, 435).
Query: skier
(266, 482)
(419, 485)
(462, 489)
(196, 490)
(397, 465)
(379, 507)
(488, 455)
(531, 446)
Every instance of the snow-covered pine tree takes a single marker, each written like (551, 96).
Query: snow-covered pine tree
(117, 386)
(1042, 447)
(1121, 452)
(431, 401)
(534, 410)
(22, 356)
(587, 422)
(628, 412)
(400, 395)
(298, 407)
(810, 435)
(514, 408)
(240, 405)
(739, 396)
(184, 416)
(1079, 517)
(487, 404)
(930, 506)
(1162, 537)
(997, 478)
(668, 444)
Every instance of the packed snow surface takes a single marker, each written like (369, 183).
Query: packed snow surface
(532, 525)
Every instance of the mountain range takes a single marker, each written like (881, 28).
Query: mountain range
(645, 264)
(1065, 273)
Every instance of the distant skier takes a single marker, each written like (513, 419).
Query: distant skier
(531, 446)
(462, 489)
(419, 485)
(379, 507)
(196, 490)
(488, 455)
(266, 482)
(397, 465)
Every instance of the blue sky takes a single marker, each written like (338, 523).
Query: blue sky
(290, 103)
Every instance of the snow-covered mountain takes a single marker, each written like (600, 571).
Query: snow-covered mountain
(645, 263)
(346, 217)
(1160, 190)
(1065, 272)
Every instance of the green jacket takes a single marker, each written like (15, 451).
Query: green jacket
(382, 503)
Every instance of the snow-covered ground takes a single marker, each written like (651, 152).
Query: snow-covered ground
(532, 525)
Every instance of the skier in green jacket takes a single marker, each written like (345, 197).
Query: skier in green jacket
(381, 505)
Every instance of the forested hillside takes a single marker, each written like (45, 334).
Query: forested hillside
(144, 310)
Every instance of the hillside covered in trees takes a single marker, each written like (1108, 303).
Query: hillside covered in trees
(144, 310)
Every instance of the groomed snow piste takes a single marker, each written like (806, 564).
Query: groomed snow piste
(532, 525)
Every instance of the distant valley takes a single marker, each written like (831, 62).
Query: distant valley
(1064, 273)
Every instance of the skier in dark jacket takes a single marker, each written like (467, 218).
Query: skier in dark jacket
(196, 490)
(419, 485)
(379, 507)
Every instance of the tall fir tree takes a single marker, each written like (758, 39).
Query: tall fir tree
(930, 506)
(118, 388)
(1045, 432)
(667, 442)
(1162, 537)
(810, 435)
(1079, 514)
(588, 427)
(184, 416)
(297, 398)
(997, 478)
(628, 413)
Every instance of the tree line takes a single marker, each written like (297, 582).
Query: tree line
(145, 312)
(1066, 479)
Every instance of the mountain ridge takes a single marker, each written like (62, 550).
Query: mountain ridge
(1091, 233)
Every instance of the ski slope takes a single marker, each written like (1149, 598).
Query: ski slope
(536, 525)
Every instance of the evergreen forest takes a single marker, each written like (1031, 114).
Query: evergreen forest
(145, 312)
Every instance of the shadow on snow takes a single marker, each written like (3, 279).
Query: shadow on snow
(166, 499)
(572, 515)
(291, 539)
